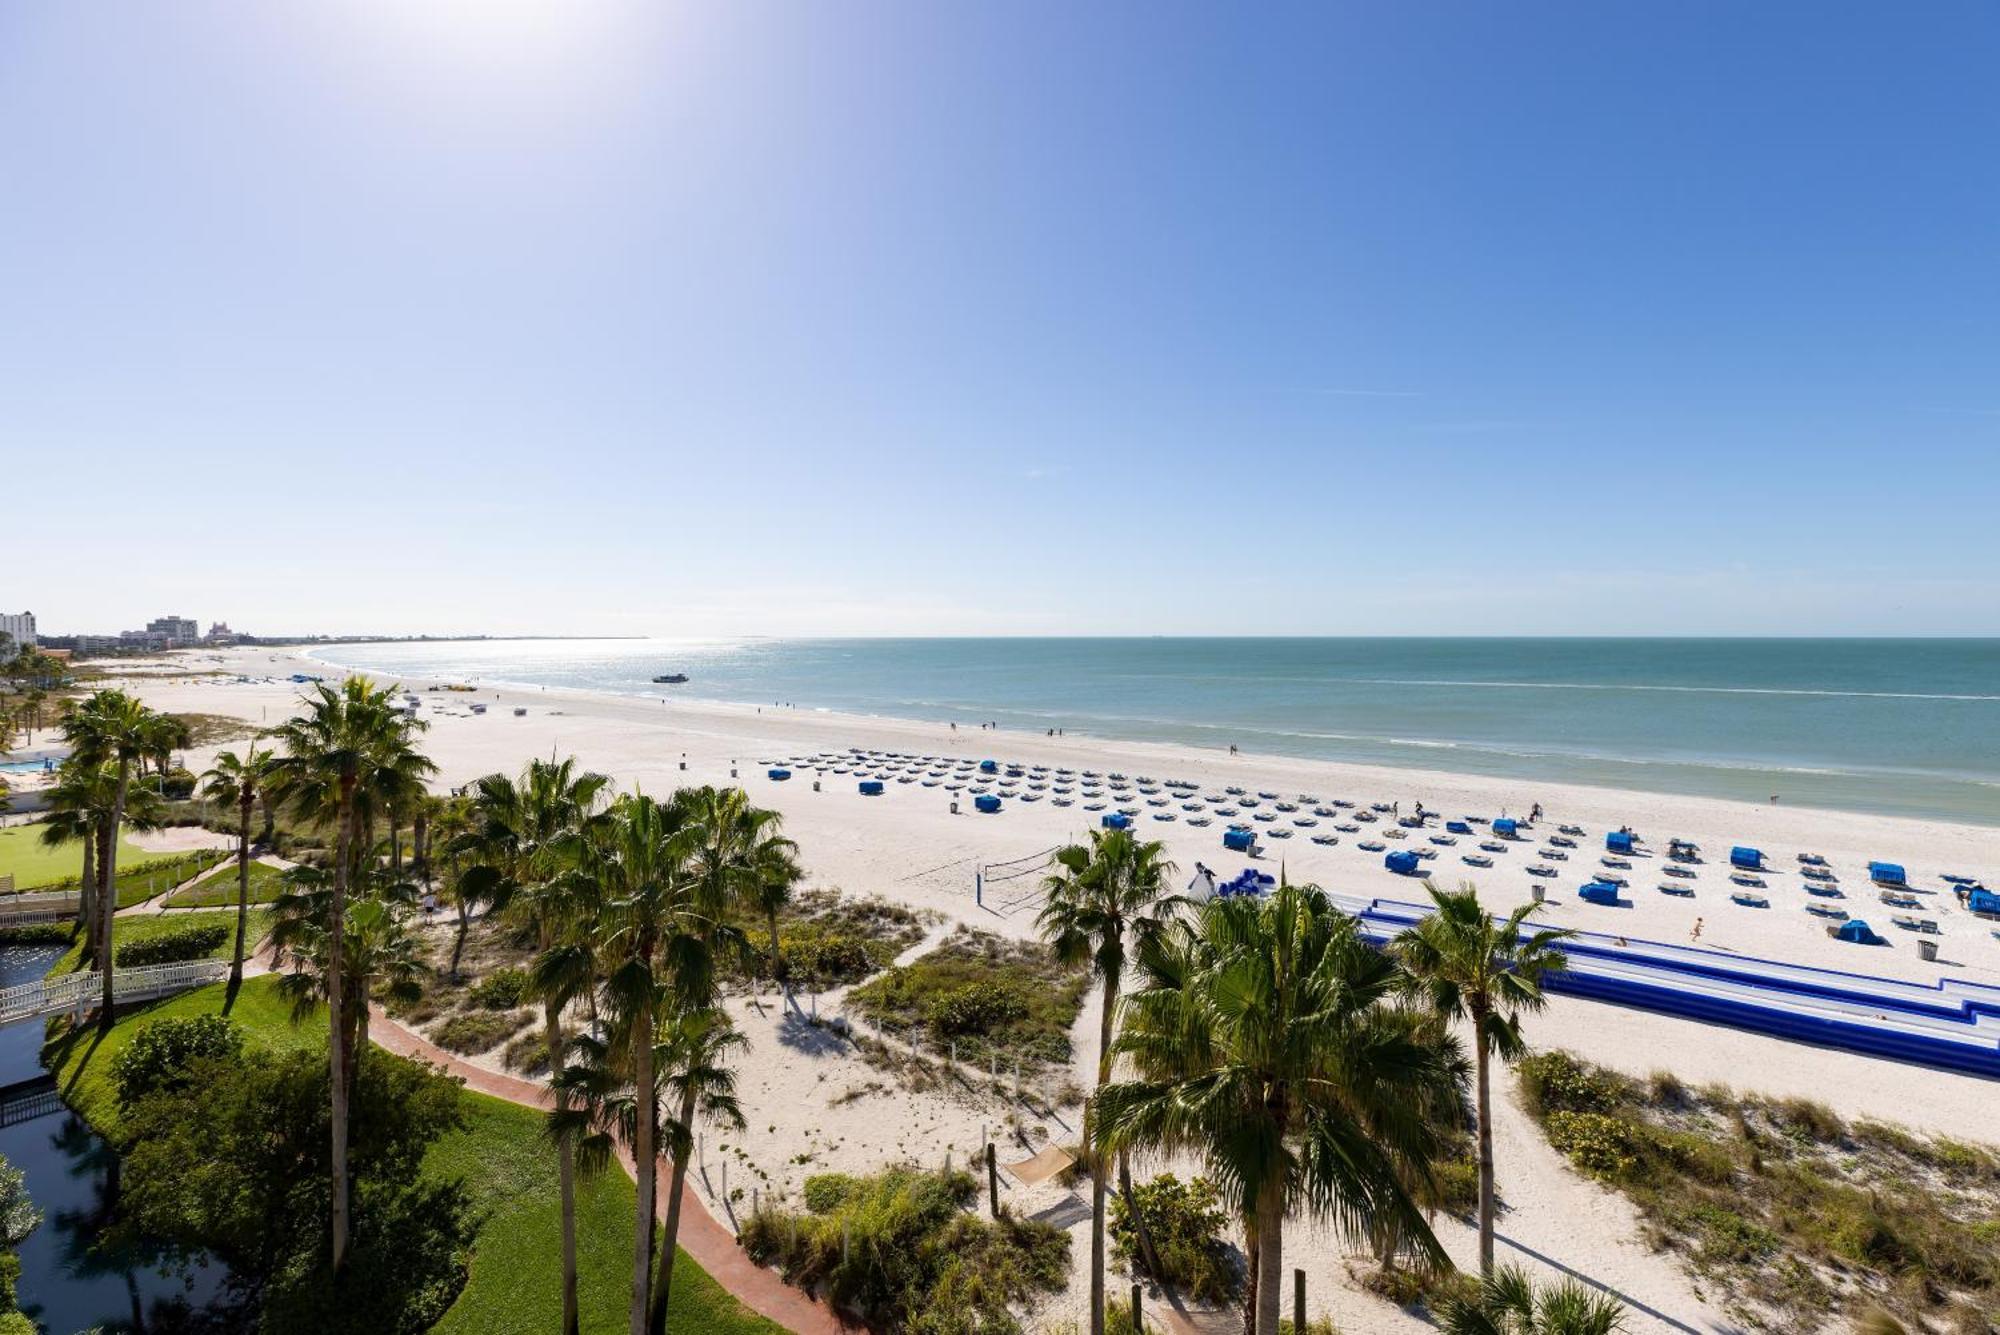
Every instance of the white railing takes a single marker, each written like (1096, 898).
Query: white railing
(75, 993)
(31, 907)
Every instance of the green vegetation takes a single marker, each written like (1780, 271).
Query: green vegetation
(35, 866)
(1186, 1224)
(509, 1173)
(186, 941)
(38, 934)
(980, 990)
(159, 1056)
(1507, 1302)
(498, 1153)
(477, 1031)
(219, 890)
(501, 990)
(214, 729)
(1790, 1212)
(137, 927)
(18, 1218)
(828, 940)
(901, 1249)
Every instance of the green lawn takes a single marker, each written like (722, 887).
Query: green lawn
(23, 854)
(510, 1172)
(266, 879)
(146, 926)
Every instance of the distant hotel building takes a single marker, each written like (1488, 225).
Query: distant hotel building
(17, 632)
(177, 630)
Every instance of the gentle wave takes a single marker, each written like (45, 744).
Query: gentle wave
(1677, 690)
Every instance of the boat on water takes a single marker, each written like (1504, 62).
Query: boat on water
(670, 679)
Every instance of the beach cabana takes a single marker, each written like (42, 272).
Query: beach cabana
(1403, 862)
(1886, 873)
(780, 774)
(1239, 839)
(871, 787)
(1116, 820)
(1620, 841)
(1506, 827)
(986, 802)
(1858, 932)
(989, 767)
(1457, 827)
(1599, 892)
(1982, 901)
(1750, 859)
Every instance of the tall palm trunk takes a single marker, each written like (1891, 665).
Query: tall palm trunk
(1097, 1164)
(670, 1241)
(242, 902)
(336, 1012)
(1270, 1256)
(645, 1167)
(565, 1171)
(1482, 1066)
(86, 903)
(110, 898)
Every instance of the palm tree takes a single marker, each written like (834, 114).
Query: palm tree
(111, 728)
(79, 803)
(691, 1057)
(237, 781)
(650, 923)
(1102, 889)
(529, 829)
(165, 735)
(1508, 1303)
(1266, 1041)
(335, 754)
(379, 953)
(1469, 967)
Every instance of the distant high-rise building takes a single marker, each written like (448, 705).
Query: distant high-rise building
(175, 629)
(17, 632)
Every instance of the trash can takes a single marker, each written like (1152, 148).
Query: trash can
(1927, 950)
(1536, 891)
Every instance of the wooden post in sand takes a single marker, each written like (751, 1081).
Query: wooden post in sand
(992, 1181)
(1298, 1302)
(1137, 1324)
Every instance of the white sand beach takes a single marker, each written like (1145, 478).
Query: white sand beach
(798, 1082)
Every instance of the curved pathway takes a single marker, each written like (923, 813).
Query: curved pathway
(708, 1242)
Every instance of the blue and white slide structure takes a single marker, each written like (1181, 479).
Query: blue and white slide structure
(1952, 1024)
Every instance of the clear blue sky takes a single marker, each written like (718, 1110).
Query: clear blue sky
(503, 315)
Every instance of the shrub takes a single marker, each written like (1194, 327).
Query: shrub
(1555, 1081)
(38, 934)
(160, 1056)
(178, 786)
(1185, 1223)
(1458, 1184)
(1607, 1148)
(823, 959)
(976, 1008)
(476, 1031)
(528, 1054)
(829, 1191)
(900, 1249)
(501, 990)
(186, 943)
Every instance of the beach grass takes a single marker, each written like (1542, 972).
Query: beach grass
(984, 994)
(1786, 1209)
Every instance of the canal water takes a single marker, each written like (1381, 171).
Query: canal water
(68, 1282)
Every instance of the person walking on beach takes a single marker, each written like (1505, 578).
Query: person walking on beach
(1695, 935)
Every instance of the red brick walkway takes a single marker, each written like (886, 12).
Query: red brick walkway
(708, 1242)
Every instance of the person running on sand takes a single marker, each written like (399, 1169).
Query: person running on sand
(1695, 935)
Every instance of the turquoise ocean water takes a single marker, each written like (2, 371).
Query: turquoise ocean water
(1908, 727)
